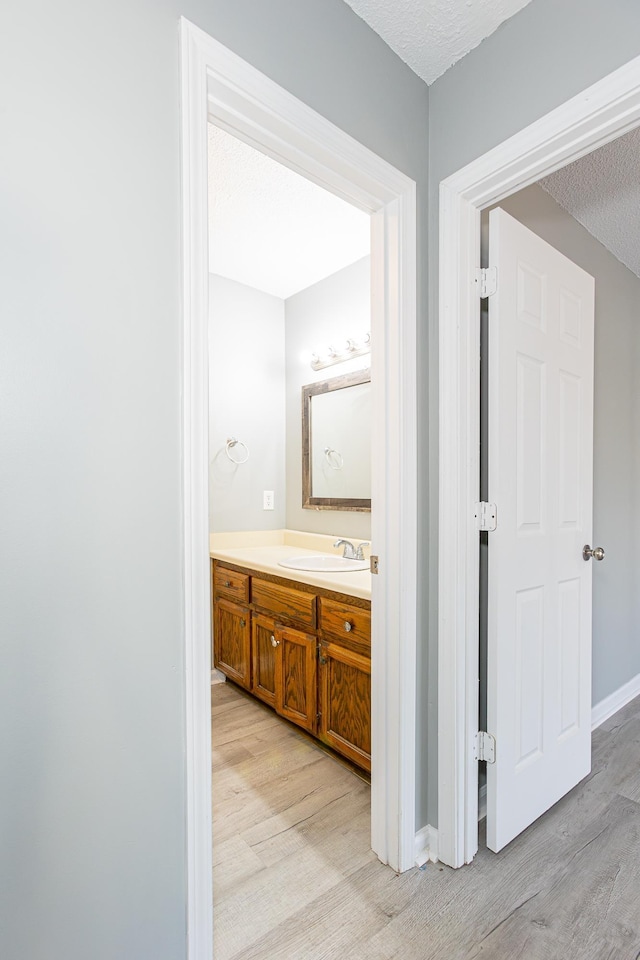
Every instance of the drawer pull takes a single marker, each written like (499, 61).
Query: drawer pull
(227, 583)
(274, 642)
(348, 626)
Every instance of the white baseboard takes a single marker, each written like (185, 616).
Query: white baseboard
(615, 701)
(426, 845)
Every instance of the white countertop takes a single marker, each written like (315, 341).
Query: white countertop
(262, 550)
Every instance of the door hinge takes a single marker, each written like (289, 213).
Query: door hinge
(484, 747)
(374, 563)
(487, 281)
(486, 515)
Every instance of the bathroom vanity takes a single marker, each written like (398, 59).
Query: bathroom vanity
(299, 646)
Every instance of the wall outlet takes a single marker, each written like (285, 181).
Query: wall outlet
(267, 500)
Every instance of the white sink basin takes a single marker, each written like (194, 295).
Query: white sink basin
(324, 564)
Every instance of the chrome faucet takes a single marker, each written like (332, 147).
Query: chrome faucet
(359, 551)
(350, 552)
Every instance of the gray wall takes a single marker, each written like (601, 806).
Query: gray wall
(246, 376)
(91, 698)
(329, 311)
(616, 499)
(248, 340)
(535, 61)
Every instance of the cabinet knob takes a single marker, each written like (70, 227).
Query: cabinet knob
(348, 626)
(274, 642)
(227, 583)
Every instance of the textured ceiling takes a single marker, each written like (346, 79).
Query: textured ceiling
(431, 35)
(272, 229)
(602, 192)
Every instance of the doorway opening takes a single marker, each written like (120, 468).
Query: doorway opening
(606, 111)
(289, 279)
(585, 211)
(220, 87)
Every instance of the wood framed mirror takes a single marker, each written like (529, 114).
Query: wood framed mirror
(336, 443)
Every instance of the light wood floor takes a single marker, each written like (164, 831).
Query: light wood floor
(294, 878)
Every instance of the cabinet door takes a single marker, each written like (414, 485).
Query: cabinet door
(231, 641)
(296, 688)
(345, 702)
(264, 647)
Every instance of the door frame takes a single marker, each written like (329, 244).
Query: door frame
(218, 85)
(602, 112)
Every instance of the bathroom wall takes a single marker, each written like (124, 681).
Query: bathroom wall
(256, 396)
(327, 312)
(247, 401)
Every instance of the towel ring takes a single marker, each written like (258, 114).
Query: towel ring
(338, 462)
(233, 442)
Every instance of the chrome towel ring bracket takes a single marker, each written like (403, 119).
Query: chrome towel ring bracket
(333, 458)
(237, 451)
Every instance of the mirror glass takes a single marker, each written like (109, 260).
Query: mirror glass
(336, 443)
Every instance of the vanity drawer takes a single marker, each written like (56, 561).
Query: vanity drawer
(284, 603)
(344, 622)
(230, 583)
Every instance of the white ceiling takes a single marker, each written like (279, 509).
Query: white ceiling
(431, 35)
(602, 192)
(272, 229)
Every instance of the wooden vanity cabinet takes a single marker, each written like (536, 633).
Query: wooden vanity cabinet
(231, 624)
(296, 684)
(232, 641)
(285, 603)
(230, 583)
(345, 679)
(291, 613)
(264, 647)
(345, 623)
(304, 653)
(345, 702)
(284, 670)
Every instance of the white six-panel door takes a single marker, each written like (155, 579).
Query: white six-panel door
(540, 477)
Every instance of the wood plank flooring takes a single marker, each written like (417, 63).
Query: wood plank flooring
(294, 878)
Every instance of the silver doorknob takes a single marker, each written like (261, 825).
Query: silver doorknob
(274, 642)
(596, 554)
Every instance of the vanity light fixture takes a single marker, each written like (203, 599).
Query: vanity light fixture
(352, 347)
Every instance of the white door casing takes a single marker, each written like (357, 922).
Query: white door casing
(220, 86)
(595, 116)
(541, 329)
